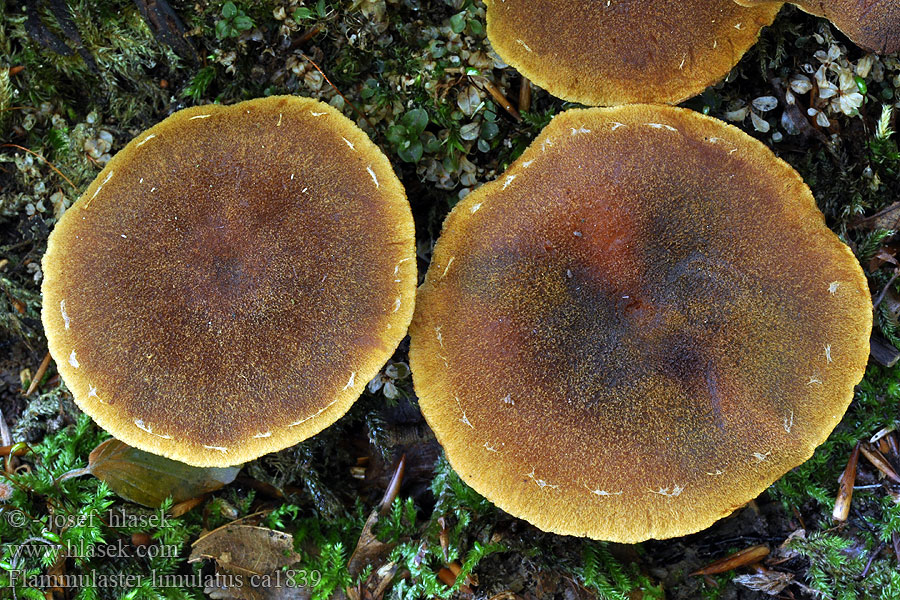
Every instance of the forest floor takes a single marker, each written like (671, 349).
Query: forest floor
(79, 79)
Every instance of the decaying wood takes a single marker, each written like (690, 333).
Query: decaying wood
(882, 352)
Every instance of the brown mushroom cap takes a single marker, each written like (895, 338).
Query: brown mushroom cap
(605, 53)
(231, 280)
(638, 327)
(871, 24)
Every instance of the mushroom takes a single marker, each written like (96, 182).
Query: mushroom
(638, 327)
(606, 53)
(871, 24)
(232, 279)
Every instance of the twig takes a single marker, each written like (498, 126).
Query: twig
(884, 291)
(875, 553)
(36, 380)
(6, 438)
(353, 106)
(524, 95)
(49, 164)
(845, 488)
(393, 487)
(879, 462)
(498, 97)
(17, 108)
(741, 558)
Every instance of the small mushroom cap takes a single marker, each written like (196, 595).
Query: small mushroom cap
(608, 53)
(871, 24)
(231, 280)
(638, 327)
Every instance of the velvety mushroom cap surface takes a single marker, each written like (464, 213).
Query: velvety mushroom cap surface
(624, 51)
(231, 280)
(638, 327)
(871, 24)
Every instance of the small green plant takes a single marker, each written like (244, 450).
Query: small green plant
(464, 21)
(873, 243)
(323, 546)
(233, 22)
(482, 131)
(883, 147)
(46, 520)
(302, 13)
(603, 574)
(399, 522)
(409, 137)
(196, 89)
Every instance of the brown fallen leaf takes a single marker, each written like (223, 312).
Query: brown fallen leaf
(889, 218)
(768, 582)
(372, 551)
(369, 549)
(785, 552)
(246, 549)
(148, 479)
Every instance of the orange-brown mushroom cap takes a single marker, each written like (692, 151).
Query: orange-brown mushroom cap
(638, 327)
(231, 280)
(871, 24)
(619, 52)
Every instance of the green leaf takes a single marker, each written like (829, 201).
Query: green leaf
(412, 153)
(302, 13)
(243, 22)
(223, 29)
(396, 134)
(458, 22)
(489, 130)
(229, 10)
(437, 49)
(148, 479)
(415, 121)
(432, 145)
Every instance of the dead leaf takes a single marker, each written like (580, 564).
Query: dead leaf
(889, 218)
(768, 582)
(148, 479)
(369, 549)
(246, 549)
(885, 255)
(784, 552)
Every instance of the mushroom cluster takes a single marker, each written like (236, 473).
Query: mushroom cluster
(231, 280)
(638, 327)
(632, 332)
